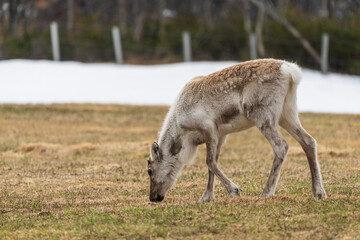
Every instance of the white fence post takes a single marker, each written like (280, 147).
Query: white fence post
(186, 42)
(324, 52)
(55, 43)
(117, 44)
(253, 51)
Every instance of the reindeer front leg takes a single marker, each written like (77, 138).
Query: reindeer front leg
(212, 142)
(209, 194)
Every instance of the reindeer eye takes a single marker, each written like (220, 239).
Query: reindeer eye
(149, 172)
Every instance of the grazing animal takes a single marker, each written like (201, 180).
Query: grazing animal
(259, 93)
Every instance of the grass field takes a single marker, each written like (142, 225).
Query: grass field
(79, 172)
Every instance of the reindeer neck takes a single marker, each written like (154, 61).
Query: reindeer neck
(173, 142)
(169, 132)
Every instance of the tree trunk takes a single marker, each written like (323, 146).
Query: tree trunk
(331, 8)
(139, 13)
(13, 16)
(161, 18)
(123, 16)
(247, 20)
(259, 30)
(208, 13)
(324, 12)
(138, 28)
(70, 14)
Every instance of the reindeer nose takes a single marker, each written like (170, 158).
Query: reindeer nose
(156, 198)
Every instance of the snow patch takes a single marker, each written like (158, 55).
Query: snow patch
(45, 82)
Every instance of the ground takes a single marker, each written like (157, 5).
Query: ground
(79, 171)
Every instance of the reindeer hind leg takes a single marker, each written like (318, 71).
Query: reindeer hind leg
(291, 123)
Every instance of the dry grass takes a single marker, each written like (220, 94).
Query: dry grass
(79, 171)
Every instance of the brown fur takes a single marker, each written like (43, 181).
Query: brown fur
(235, 77)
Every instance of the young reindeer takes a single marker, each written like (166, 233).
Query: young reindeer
(259, 93)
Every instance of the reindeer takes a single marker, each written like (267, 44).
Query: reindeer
(259, 93)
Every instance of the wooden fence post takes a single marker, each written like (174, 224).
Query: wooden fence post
(253, 50)
(117, 44)
(325, 52)
(55, 43)
(186, 42)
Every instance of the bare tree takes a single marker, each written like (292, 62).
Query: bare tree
(271, 11)
(208, 14)
(162, 4)
(259, 30)
(140, 15)
(70, 14)
(247, 19)
(123, 15)
(13, 15)
(324, 8)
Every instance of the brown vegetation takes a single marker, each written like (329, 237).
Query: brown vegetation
(79, 171)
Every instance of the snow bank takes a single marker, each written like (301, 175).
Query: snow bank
(24, 81)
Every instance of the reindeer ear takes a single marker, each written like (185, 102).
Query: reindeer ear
(155, 152)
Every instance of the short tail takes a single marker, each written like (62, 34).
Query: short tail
(292, 71)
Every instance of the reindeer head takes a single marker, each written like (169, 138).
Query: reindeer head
(163, 169)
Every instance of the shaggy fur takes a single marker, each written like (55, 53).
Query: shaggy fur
(259, 93)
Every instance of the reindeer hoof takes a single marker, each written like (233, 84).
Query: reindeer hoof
(234, 191)
(266, 195)
(320, 193)
(207, 197)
